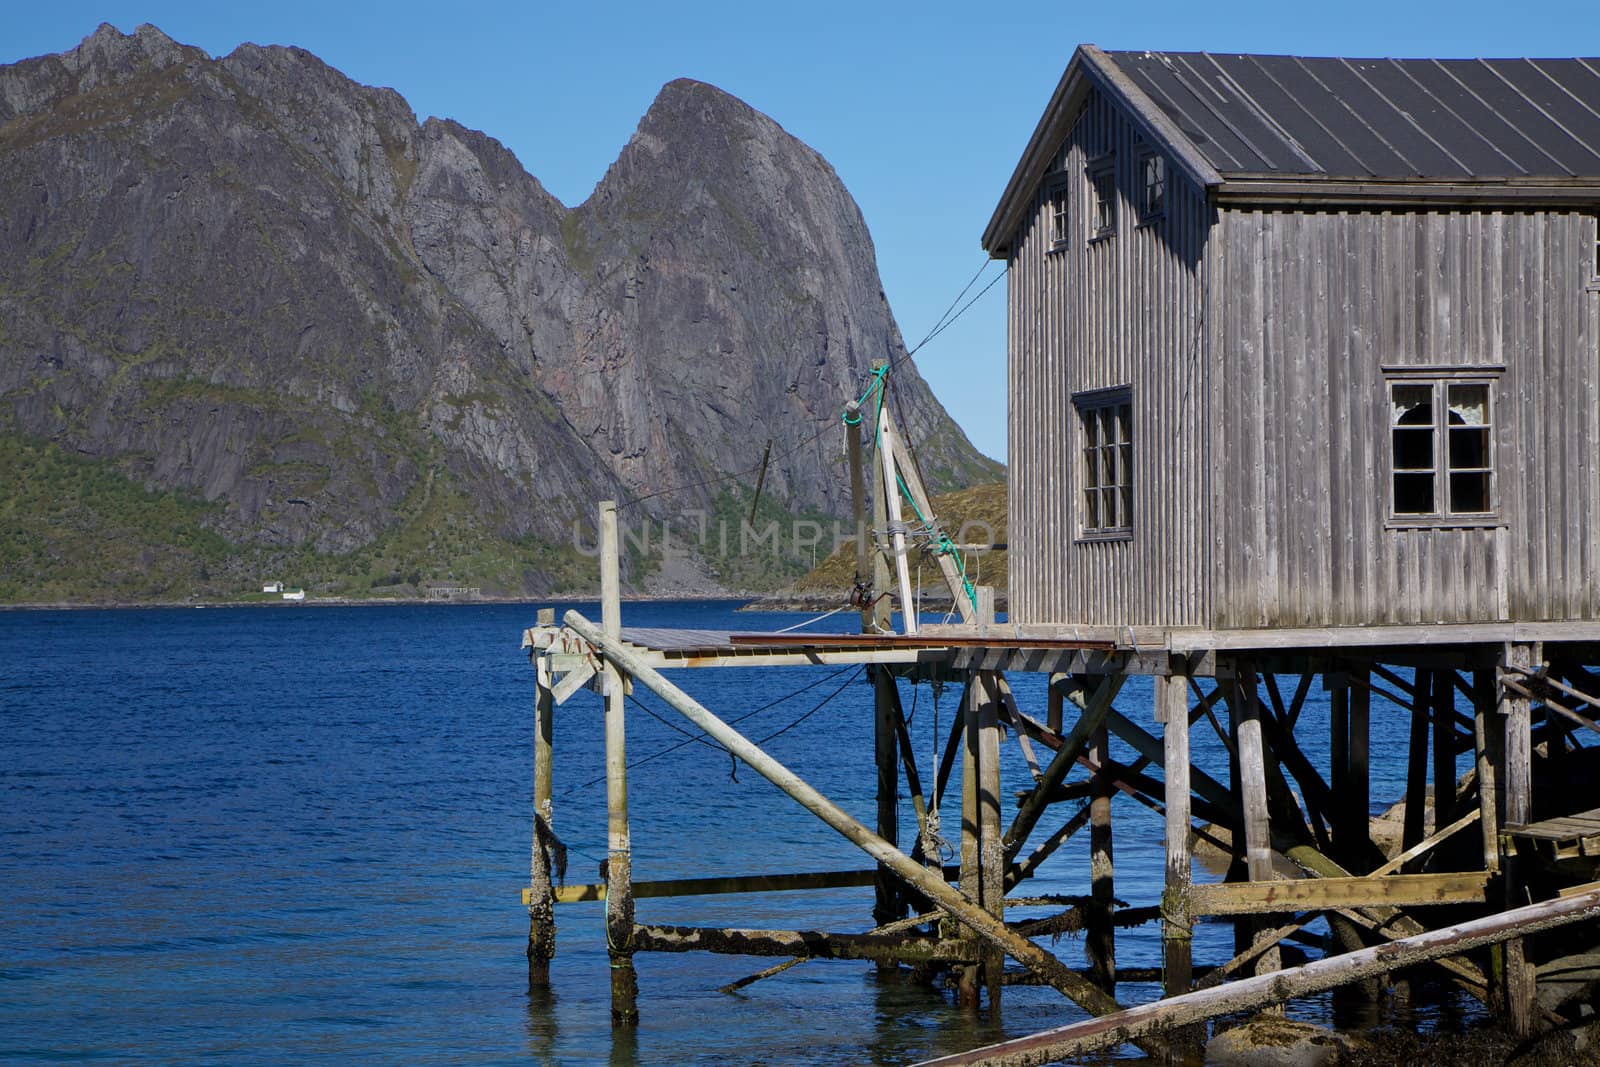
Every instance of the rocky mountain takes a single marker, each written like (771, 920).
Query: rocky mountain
(255, 320)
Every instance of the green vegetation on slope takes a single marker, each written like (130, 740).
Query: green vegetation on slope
(77, 530)
(980, 509)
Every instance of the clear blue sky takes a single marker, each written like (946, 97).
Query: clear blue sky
(922, 108)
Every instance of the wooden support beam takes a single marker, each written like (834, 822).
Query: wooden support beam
(1177, 929)
(888, 899)
(971, 613)
(882, 611)
(1140, 741)
(734, 883)
(1301, 894)
(1444, 747)
(1516, 708)
(968, 977)
(1360, 798)
(809, 944)
(991, 849)
(1100, 942)
(1485, 729)
(619, 848)
(952, 901)
(1426, 846)
(1246, 712)
(858, 512)
(897, 530)
(1076, 1039)
(541, 891)
(908, 762)
(1095, 710)
(1411, 830)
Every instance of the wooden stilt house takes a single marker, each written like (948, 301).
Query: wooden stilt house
(1305, 343)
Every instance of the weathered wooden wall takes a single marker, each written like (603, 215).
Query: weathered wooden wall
(1308, 307)
(1121, 310)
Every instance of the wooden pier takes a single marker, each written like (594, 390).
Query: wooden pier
(1511, 694)
(1303, 397)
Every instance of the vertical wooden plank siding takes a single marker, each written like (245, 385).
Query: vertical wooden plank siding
(1126, 309)
(1308, 309)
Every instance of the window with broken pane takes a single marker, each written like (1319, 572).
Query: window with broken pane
(1441, 448)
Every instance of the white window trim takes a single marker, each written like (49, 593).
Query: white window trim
(1440, 377)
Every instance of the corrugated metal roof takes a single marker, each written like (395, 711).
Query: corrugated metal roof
(1446, 119)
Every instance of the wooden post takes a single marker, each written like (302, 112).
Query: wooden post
(1518, 718)
(1342, 815)
(991, 847)
(882, 609)
(1444, 748)
(1484, 729)
(956, 904)
(541, 905)
(858, 508)
(971, 857)
(1054, 697)
(1360, 762)
(897, 529)
(1100, 939)
(889, 902)
(1412, 829)
(1172, 711)
(1073, 1041)
(619, 848)
(1253, 790)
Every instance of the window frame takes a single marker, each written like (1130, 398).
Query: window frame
(1092, 452)
(1058, 207)
(1593, 284)
(1149, 154)
(1440, 380)
(1101, 169)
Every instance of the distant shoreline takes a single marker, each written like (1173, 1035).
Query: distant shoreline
(749, 602)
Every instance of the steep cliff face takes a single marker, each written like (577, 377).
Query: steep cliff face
(368, 345)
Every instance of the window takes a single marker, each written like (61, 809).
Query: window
(1152, 185)
(1056, 208)
(1594, 264)
(1103, 198)
(1441, 441)
(1106, 421)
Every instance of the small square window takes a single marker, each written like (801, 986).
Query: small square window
(1056, 212)
(1105, 420)
(1103, 198)
(1441, 449)
(1152, 185)
(1594, 265)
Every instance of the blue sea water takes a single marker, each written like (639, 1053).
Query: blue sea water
(297, 834)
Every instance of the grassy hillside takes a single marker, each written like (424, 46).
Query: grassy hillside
(974, 507)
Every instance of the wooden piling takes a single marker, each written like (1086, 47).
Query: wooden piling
(887, 459)
(1412, 827)
(1100, 939)
(619, 848)
(1076, 1039)
(1253, 789)
(960, 907)
(858, 512)
(967, 977)
(541, 903)
(1444, 748)
(1177, 931)
(1485, 730)
(991, 848)
(1517, 714)
(888, 899)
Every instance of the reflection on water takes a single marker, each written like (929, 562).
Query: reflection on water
(288, 834)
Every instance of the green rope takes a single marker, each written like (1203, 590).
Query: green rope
(879, 374)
